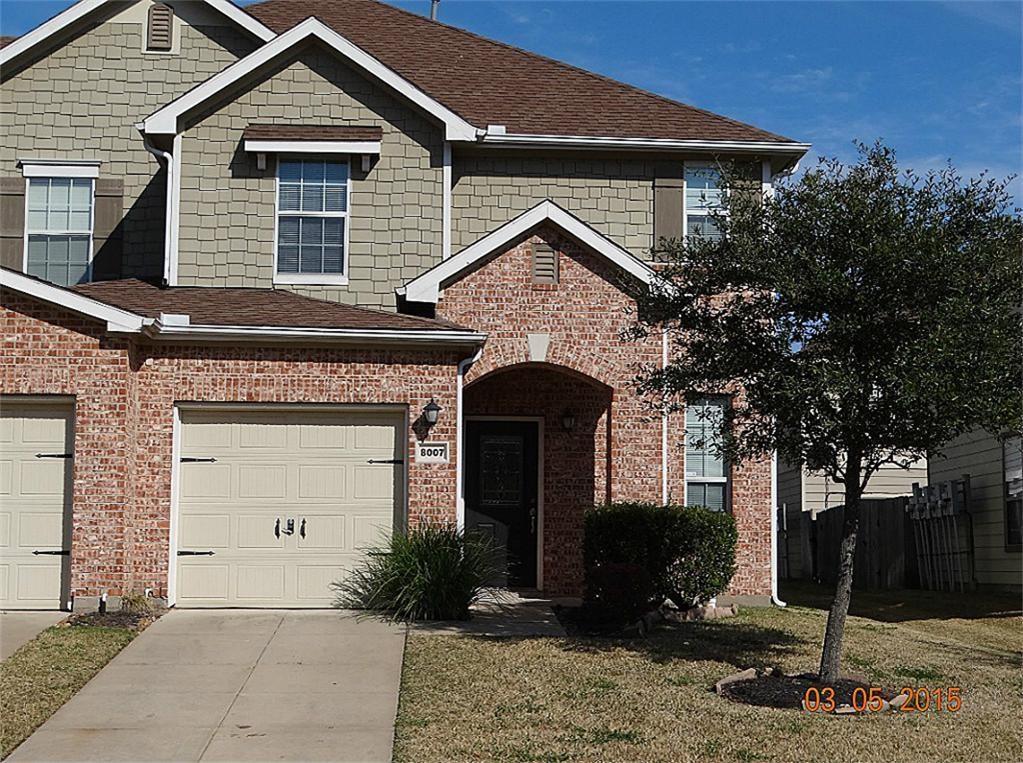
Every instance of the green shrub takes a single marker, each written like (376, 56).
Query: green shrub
(686, 553)
(432, 572)
(618, 592)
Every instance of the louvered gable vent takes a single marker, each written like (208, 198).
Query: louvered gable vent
(161, 27)
(545, 263)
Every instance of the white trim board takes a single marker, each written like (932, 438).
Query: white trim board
(84, 8)
(312, 146)
(164, 121)
(115, 318)
(427, 287)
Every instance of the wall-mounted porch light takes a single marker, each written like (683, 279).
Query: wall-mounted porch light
(568, 421)
(431, 411)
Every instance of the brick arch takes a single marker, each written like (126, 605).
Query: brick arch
(570, 359)
(527, 366)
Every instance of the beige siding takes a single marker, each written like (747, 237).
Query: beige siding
(820, 493)
(394, 210)
(979, 454)
(82, 101)
(613, 194)
(790, 499)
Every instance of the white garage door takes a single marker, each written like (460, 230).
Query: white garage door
(35, 503)
(275, 504)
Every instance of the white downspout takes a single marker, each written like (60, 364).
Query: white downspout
(463, 367)
(767, 187)
(167, 160)
(774, 532)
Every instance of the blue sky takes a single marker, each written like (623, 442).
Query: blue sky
(935, 80)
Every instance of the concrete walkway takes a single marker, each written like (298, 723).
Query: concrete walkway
(501, 613)
(18, 628)
(233, 685)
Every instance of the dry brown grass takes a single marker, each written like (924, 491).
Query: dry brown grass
(46, 672)
(602, 700)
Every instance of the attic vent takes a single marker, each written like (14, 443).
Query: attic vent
(161, 27)
(545, 263)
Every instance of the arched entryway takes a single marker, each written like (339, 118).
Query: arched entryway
(537, 456)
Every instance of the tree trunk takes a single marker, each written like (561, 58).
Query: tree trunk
(831, 654)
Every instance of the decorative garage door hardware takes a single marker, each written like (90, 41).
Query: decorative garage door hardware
(289, 527)
(195, 553)
(51, 553)
(386, 461)
(55, 455)
(192, 460)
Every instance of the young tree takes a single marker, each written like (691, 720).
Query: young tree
(862, 316)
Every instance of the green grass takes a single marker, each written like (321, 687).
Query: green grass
(578, 699)
(47, 671)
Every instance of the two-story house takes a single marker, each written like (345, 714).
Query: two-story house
(280, 279)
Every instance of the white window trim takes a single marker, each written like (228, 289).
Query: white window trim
(312, 279)
(47, 168)
(53, 175)
(686, 166)
(312, 147)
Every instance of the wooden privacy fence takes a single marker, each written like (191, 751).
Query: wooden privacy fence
(885, 552)
(942, 530)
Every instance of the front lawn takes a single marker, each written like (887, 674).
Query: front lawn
(47, 671)
(578, 699)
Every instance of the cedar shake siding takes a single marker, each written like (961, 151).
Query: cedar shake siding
(82, 100)
(394, 208)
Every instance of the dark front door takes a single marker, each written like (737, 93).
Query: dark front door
(501, 492)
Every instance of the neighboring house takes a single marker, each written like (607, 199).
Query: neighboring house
(800, 490)
(995, 469)
(248, 255)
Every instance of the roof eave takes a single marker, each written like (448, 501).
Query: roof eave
(286, 334)
(645, 144)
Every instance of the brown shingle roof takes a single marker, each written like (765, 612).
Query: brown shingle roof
(6, 39)
(213, 306)
(488, 82)
(311, 132)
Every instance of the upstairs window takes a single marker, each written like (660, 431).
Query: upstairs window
(58, 229)
(706, 471)
(703, 195)
(312, 220)
(160, 29)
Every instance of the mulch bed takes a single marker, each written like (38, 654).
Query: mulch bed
(134, 621)
(783, 691)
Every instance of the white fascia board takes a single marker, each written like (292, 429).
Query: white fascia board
(426, 287)
(165, 120)
(250, 24)
(116, 319)
(643, 144)
(46, 168)
(312, 146)
(159, 330)
(61, 21)
(83, 8)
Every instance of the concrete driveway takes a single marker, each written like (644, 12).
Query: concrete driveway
(236, 685)
(18, 628)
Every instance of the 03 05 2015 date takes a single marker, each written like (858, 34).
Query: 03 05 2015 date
(911, 699)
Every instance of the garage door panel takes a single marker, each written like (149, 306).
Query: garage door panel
(323, 481)
(262, 481)
(370, 531)
(284, 464)
(206, 530)
(36, 502)
(205, 481)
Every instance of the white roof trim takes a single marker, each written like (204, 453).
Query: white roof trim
(193, 332)
(171, 326)
(643, 144)
(312, 146)
(83, 8)
(115, 318)
(43, 168)
(165, 120)
(427, 287)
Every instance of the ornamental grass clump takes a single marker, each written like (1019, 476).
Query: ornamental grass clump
(431, 572)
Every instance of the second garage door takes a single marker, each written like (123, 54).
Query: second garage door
(276, 504)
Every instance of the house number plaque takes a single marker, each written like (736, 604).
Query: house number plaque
(432, 453)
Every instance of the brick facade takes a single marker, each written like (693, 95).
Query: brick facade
(125, 392)
(615, 452)
(124, 402)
